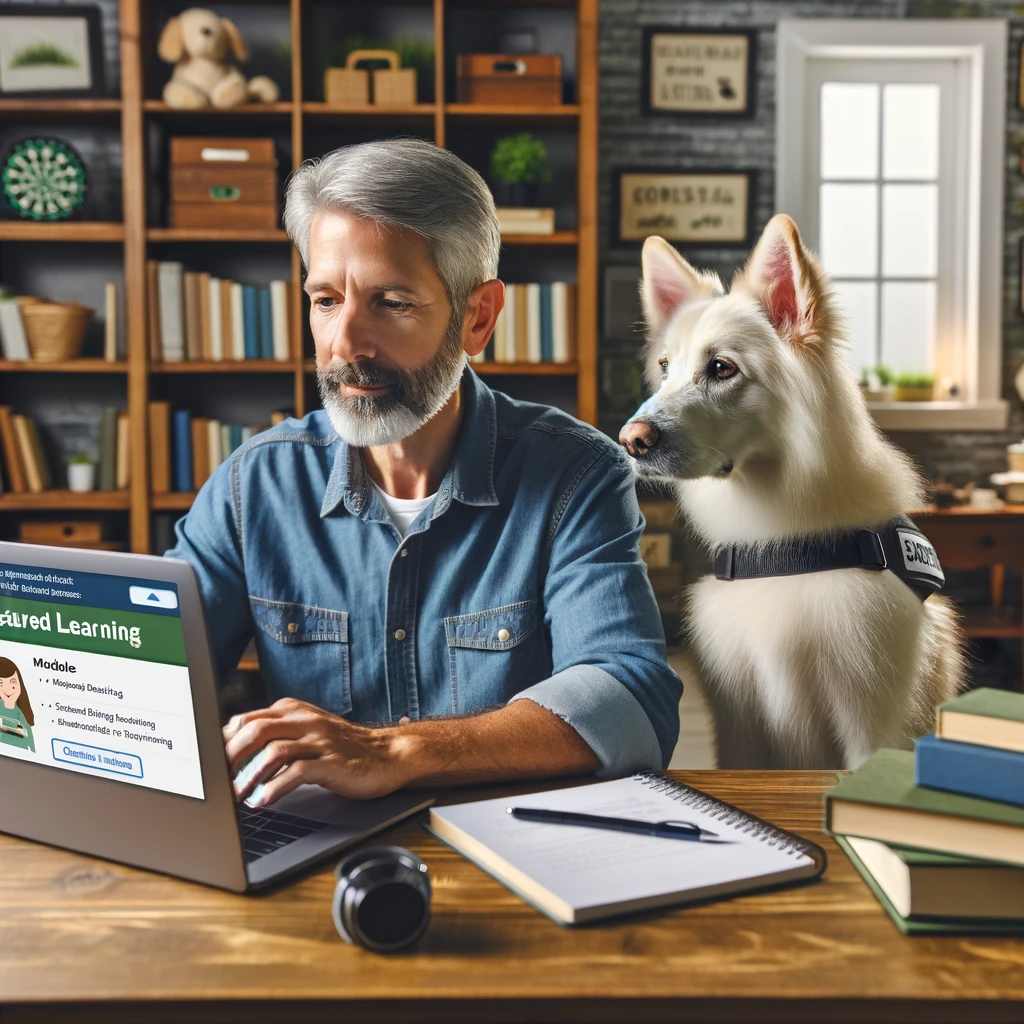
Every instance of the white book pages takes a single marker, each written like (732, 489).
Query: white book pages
(279, 318)
(216, 324)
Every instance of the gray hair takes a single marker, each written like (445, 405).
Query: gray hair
(406, 183)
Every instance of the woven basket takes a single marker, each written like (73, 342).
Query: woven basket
(54, 330)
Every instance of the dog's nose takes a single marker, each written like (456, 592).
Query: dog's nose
(638, 437)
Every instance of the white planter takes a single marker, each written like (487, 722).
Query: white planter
(81, 476)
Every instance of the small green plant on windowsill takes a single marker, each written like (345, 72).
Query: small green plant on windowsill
(876, 384)
(81, 472)
(915, 387)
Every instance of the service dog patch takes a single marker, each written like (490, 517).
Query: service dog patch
(919, 556)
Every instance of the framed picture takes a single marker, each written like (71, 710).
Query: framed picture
(50, 51)
(698, 72)
(699, 208)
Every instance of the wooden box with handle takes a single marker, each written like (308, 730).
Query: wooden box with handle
(509, 79)
(393, 86)
(223, 183)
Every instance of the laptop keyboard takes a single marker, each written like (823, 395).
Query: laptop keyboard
(266, 831)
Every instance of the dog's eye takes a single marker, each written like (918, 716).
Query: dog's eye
(663, 363)
(721, 369)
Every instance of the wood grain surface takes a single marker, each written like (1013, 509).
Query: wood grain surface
(90, 941)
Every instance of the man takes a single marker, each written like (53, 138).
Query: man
(444, 584)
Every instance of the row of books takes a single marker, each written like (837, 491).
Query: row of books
(938, 833)
(185, 449)
(536, 325)
(200, 317)
(27, 470)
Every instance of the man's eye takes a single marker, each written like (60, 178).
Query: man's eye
(721, 369)
(663, 363)
(324, 302)
(394, 304)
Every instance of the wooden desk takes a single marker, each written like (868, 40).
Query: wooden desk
(90, 942)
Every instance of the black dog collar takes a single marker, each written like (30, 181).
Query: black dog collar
(899, 546)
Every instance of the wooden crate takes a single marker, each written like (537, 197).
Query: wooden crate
(509, 79)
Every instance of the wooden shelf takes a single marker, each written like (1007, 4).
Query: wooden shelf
(64, 108)
(62, 500)
(61, 231)
(64, 366)
(362, 112)
(993, 622)
(481, 112)
(525, 369)
(215, 235)
(245, 110)
(558, 238)
(226, 366)
(172, 501)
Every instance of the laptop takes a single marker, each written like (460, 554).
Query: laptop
(111, 741)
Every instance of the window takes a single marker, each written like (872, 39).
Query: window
(889, 158)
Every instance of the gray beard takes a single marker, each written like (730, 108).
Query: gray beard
(413, 398)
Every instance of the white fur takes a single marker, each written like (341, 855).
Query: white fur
(815, 670)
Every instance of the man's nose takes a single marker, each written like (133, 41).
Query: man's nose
(349, 339)
(638, 437)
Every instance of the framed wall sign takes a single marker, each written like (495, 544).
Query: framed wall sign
(698, 72)
(50, 51)
(708, 208)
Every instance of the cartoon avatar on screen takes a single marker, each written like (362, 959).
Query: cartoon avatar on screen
(16, 718)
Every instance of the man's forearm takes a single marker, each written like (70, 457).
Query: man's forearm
(519, 741)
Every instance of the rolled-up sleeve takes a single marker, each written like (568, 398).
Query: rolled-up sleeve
(209, 539)
(610, 679)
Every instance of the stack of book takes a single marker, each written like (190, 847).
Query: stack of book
(525, 220)
(200, 317)
(535, 325)
(185, 449)
(26, 469)
(938, 834)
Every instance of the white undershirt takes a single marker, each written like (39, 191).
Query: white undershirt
(403, 511)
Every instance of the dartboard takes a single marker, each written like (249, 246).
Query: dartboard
(44, 179)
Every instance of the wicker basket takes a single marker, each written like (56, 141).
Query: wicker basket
(54, 330)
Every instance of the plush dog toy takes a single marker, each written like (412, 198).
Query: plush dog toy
(197, 41)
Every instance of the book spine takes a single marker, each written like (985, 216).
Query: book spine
(108, 449)
(123, 452)
(547, 350)
(226, 447)
(279, 320)
(216, 321)
(251, 321)
(110, 322)
(266, 323)
(985, 772)
(237, 322)
(205, 321)
(533, 343)
(200, 451)
(181, 424)
(521, 353)
(213, 445)
(153, 339)
(193, 318)
(508, 348)
(33, 473)
(39, 451)
(560, 322)
(172, 317)
(12, 327)
(16, 477)
(160, 447)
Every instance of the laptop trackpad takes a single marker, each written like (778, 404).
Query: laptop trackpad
(355, 815)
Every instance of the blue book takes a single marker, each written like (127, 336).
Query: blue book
(236, 436)
(251, 320)
(967, 768)
(181, 446)
(266, 325)
(547, 333)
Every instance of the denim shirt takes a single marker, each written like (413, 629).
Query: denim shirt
(521, 579)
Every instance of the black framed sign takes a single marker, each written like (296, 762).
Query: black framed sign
(698, 72)
(707, 208)
(50, 51)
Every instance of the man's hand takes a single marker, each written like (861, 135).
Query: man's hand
(296, 743)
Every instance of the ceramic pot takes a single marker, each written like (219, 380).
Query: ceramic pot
(81, 476)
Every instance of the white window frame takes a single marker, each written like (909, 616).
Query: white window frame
(979, 49)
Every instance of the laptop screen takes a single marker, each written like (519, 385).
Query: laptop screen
(93, 677)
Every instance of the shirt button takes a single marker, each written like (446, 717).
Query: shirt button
(292, 627)
(503, 635)
(405, 551)
(399, 634)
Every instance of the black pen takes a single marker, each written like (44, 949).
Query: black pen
(662, 829)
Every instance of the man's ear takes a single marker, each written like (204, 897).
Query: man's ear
(669, 283)
(235, 40)
(788, 282)
(171, 48)
(485, 303)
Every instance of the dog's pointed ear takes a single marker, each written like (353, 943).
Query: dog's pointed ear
(235, 40)
(171, 46)
(669, 283)
(787, 281)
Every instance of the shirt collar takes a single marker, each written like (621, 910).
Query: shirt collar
(469, 479)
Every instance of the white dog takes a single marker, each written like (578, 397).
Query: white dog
(757, 419)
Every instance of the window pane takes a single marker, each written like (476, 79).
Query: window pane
(910, 129)
(848, 230)
(910, 225)
(908, 324)
(849, 130)
(858, 301)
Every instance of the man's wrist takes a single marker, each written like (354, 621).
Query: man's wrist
(410, 753)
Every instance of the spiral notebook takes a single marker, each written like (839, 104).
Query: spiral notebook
(576, 874)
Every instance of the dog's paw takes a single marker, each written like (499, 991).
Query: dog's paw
(263, 90)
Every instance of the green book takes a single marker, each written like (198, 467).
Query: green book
(920, 925)
(880, 801)
(990, 718)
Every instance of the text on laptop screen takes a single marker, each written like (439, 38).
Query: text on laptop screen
(93, 677)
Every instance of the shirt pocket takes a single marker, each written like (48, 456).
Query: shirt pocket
(494, 654)
(303, 652)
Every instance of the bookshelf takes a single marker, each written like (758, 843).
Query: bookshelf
(304, 126)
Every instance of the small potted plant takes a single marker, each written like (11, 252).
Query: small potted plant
(915, 387)
(519, 163)
(81, 473)
(876, 384)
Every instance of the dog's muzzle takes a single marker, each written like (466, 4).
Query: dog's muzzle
(638, 437)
